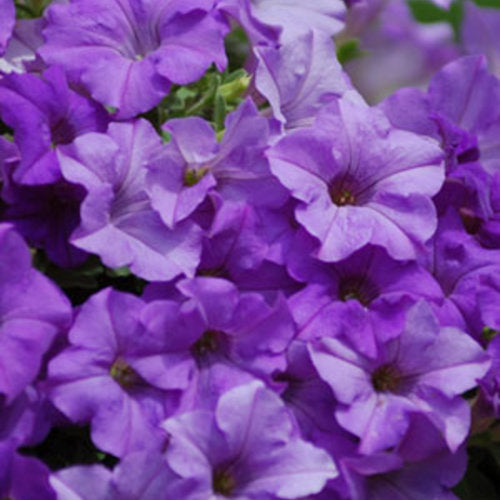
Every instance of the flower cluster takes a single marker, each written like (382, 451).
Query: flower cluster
(277, 282)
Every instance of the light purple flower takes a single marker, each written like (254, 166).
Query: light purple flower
(292, 17)
(140, 46)
(111, 375)
(32, 312)
(21, 55)
(141, 475)
(117, 220)
(396, 50)
(360, 181)
(424, 370)
(194, 164)
(479, 32)
(246, 448)
(298, 79)
(7, 22)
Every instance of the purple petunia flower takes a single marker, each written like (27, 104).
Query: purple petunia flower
(45, 114)
(23, 477)
(479, 31)
(46, 214)
(219, 337)
(467, 274)
(460, 108)
(21, 54)
(32, 312)
(360, 181)
(395, 49)
(7, 21)
(292, 17)
(194, 164)
(247, 447)
(111, 375)
(117, 220)
(424, 370)
(421, 468)
(362, 297)
(298, 79)
(141, 47)
(143, 475)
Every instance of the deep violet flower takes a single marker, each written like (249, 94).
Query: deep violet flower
(298, 79)
(420, 468)
(424, 370)
(468, 275)
(360, 181)
(219, 337)
(248, 447)
(362, 297)
(141, 47)
(194, 164)
(7, 21)
(117, 220)
(28, 419)
(46, 214)
(461, 108)
(45, 114)
(22, 477)
(112, 375)
(32, 312)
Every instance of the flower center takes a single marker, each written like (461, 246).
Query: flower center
(194, 175)
(386, 378)
(206, 344)
(344, 197)
(124, 374)
(223, 483)
(343, 191)
(357, 288)
(62, 132)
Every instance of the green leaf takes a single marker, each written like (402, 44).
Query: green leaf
(425, 11)
(220, 110)
(348, 51)
(495, 4)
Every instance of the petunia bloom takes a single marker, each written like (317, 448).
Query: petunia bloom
(424, 370)
(7, 22)
(102, 377)
(298, 79)
(360, 181)
(32, 312)
(193, 164)
(45, 113)
(247, 447)
(141, 47)
(365, 295)
(117, 220)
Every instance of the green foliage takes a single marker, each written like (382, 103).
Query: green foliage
(425, 11)
(349, 50)
(488, 3)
